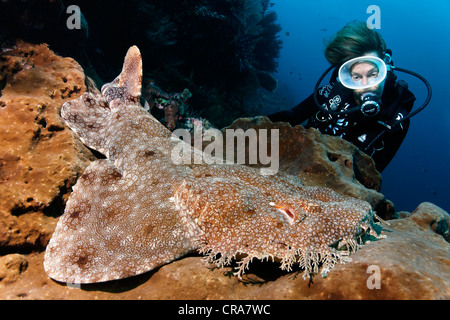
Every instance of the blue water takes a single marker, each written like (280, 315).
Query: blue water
(418, 32)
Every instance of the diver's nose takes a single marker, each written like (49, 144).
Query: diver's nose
(365, 81)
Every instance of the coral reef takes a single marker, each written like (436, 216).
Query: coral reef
(173, 104)
(220, 50)
(413, 259)
(39, 158)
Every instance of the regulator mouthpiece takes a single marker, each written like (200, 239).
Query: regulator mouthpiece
(371, 104)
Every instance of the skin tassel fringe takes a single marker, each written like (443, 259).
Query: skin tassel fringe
(310, 260)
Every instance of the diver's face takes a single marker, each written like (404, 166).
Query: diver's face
(364, 73)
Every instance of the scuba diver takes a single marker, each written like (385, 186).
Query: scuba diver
(363, 103)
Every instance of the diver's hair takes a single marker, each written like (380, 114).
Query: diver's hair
(354, 40)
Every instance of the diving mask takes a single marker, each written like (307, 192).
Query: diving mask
(362, 72)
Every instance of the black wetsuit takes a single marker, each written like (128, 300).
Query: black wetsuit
(397, 101)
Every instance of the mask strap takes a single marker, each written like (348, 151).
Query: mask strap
(388, 59)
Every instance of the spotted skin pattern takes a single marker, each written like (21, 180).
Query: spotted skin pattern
(137, 210)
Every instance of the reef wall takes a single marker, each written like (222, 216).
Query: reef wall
(222, 51)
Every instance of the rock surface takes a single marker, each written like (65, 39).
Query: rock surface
(11, 266)
(39, 157)
(40, 160)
